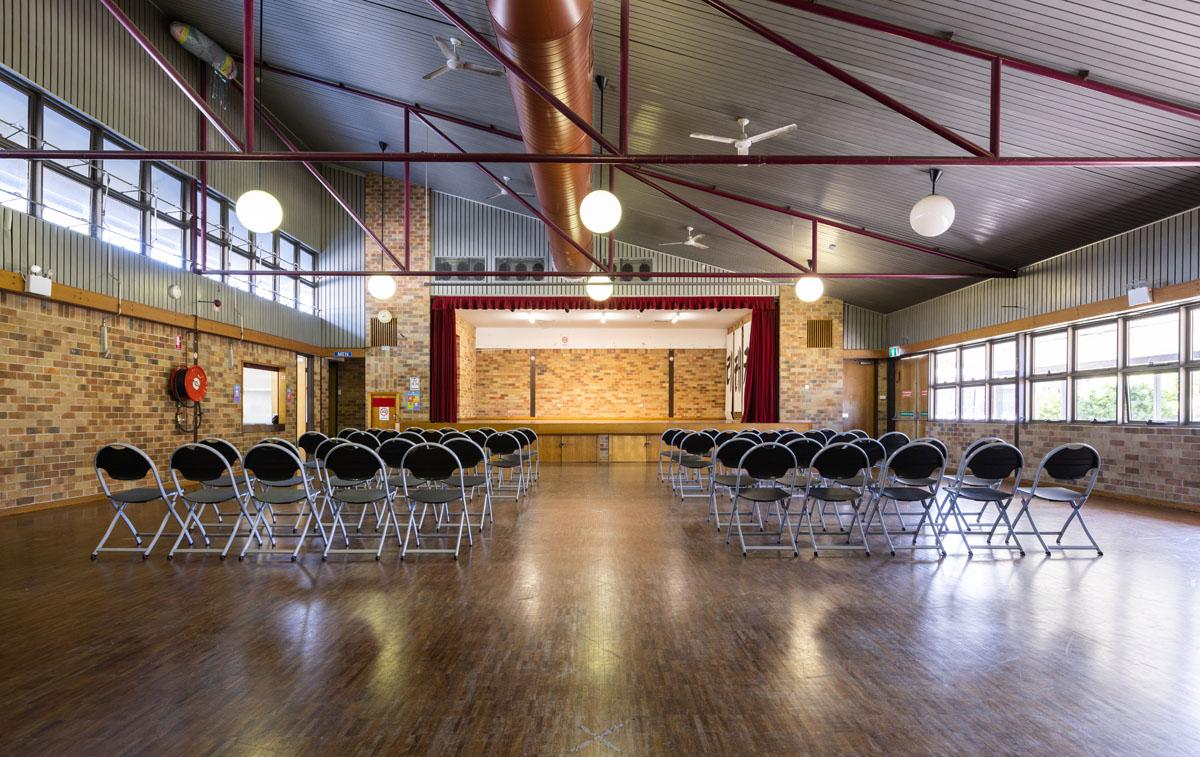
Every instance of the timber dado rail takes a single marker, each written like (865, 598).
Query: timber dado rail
(603, 441)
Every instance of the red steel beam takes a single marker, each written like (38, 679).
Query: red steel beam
(407, 193)
(973, 51)
(580, 277)
(710, 217)
(653, 159)
(191, 94)
(994, 125)
(847, 78)
(248, 72)
(526, 78)
(813, 263)
(785, 210)
(623, 81)
(525, 203)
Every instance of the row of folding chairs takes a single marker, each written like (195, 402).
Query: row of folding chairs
(372, 480)
(851, 486)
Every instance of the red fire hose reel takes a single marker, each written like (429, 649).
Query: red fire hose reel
(188, 383)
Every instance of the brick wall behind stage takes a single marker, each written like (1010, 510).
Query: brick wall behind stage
(1137, 461)
(390, 370)
(587, 384)
(465, 338)
(810, 380)
(60, 400)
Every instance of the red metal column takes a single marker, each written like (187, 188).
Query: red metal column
(202, 170)
(407, 192)
(813, 263)
(248, 72)
(994, 131)
(623, 82)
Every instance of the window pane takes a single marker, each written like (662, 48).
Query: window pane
(239, 262)
(214, 259)
(1004, 359)
(946, 367)
(308, 263)
(1004, 402)
(166, 243)
(1195, 315)
(1153, 340)
(14, 115)
(1096, 347)
(287, 254)
(239, 235)
(974, 363)
(1096, 399)
(1194, 402)
(974, 403)
(122, 225)
(1153, 397)
(14, 184)
(1050, 353)
(66, 202)
(213, 212)
(287, 290)
(168, 193)
(945, 404)
(263, 286)
(59, 132)
(1050, 401)
(264, 247)
(306, 293)
(124, 176)
(258, 395)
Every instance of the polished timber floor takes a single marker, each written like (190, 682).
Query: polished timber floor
(601, 617)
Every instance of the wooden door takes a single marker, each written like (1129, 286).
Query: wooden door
(550, 449)
(632, 448)
(301, 395)
(912, 395)
(858, 395)
(578, 448)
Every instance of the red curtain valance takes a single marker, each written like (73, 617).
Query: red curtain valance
(502, 302)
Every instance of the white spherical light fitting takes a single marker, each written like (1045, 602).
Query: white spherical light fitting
(599, 288)
(600, 211)
(810, 289)
(259, 211)
(381, 287)
(931, 216)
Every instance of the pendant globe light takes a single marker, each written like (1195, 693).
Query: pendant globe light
(810, 289)
(600, 211)
(378, 286)
(931, 216)
(257, 209)
(599, 288)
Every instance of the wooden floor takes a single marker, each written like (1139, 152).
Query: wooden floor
(602, 617)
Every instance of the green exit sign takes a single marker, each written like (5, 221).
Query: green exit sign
(893, 352)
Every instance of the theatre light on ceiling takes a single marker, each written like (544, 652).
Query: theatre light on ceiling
(599, 288)
(931, 216)
(259, 211)
(600, 211)
(381, 287)
(810, 289)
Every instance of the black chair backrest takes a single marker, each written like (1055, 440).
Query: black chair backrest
(750, 434)
(875, 451)
(723, 437)
(393, 450)
(994, 462)
(1071, 462)
(346, 432)
(388, 433)
(668, 436)
(323, 448)
(846, 438)
(282, 443)
(729, 453)
(840, 461)
(199, 463)
(697, 443)
(363, 438)
(893, 440)
(414, 436)
(431, 461)
(123, 462)
(522, 436)
(453, 435)
(767, 461)
(815, 435)
(804, 449)
(431, 435)
(502, 443)
(770, 436)
(980, 443)
(828, 432)
(916, 460)
(416, 429)
(859, 433)
(227, 450)
(937, 443)
(787, 436)
(469, 454)
(477, 436)
(309, 441)
(354, 462)
(269, 462)
(487, 430)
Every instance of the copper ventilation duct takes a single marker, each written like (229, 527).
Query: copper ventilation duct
(552, 40)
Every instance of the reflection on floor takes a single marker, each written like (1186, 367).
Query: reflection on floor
(598, 616)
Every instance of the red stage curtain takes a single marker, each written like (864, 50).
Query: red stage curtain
(760, 404)
(443, 367)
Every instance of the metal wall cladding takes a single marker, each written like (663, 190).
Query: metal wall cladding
(87, 263)
(343, 299)
(1160, 254)
(462, 228)
(862, 329)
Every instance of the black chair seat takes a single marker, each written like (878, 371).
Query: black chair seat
(220, 483)
(209, 496)
(905, 493)
(858, 481)
(695, 463)
(435, 496)
(293, 481)
(731, 479)
(471, 480)
(764, 494)
(833, 494)
(508, 461)
(982, 494)
(360, 496)
(280, 496)
(397, 481)
(141, 494)
(310, 464)
(1053, 493)
(345, 483)
(916, 481)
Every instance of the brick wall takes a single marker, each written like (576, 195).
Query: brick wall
(389, 370)
(352, 393)
(464, 333)
(598, 384)
(810, 380)
(1137, 461)
(60, 400)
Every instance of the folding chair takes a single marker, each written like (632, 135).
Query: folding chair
(352, 462)
(858, 432)
(893, 440)
(525, 439)
(308, 442)
(414, 436)
(828, 432)
(387, 434)
(816, 436)
(1077, 464)
(365, 439)
(199, 465)
(431, 435)
(974, 480)
(125, 462)
(770, 436)
(917, 461)
(694, 451)
(232, 456)
(504, 453)
(834, 463)
(473, 462)
(994, 463)
(843, 438)
(668, 452)
(430, 461)
(535, 459)
(763, 465)
(724, 473)
(277, 471)
(346, 432)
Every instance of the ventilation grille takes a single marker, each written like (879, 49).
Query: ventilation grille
(635, 266)
(383, 334)
(459, 264)
(820, 334)
(520, 265)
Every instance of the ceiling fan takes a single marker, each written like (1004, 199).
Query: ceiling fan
(449, 48)
(506, 190)
(693, 240)
(742, 143)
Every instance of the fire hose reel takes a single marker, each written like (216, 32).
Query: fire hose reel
(189, 383)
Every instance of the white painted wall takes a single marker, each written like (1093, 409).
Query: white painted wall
(599, 338)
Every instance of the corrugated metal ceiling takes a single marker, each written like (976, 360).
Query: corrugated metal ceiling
(694, 70)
